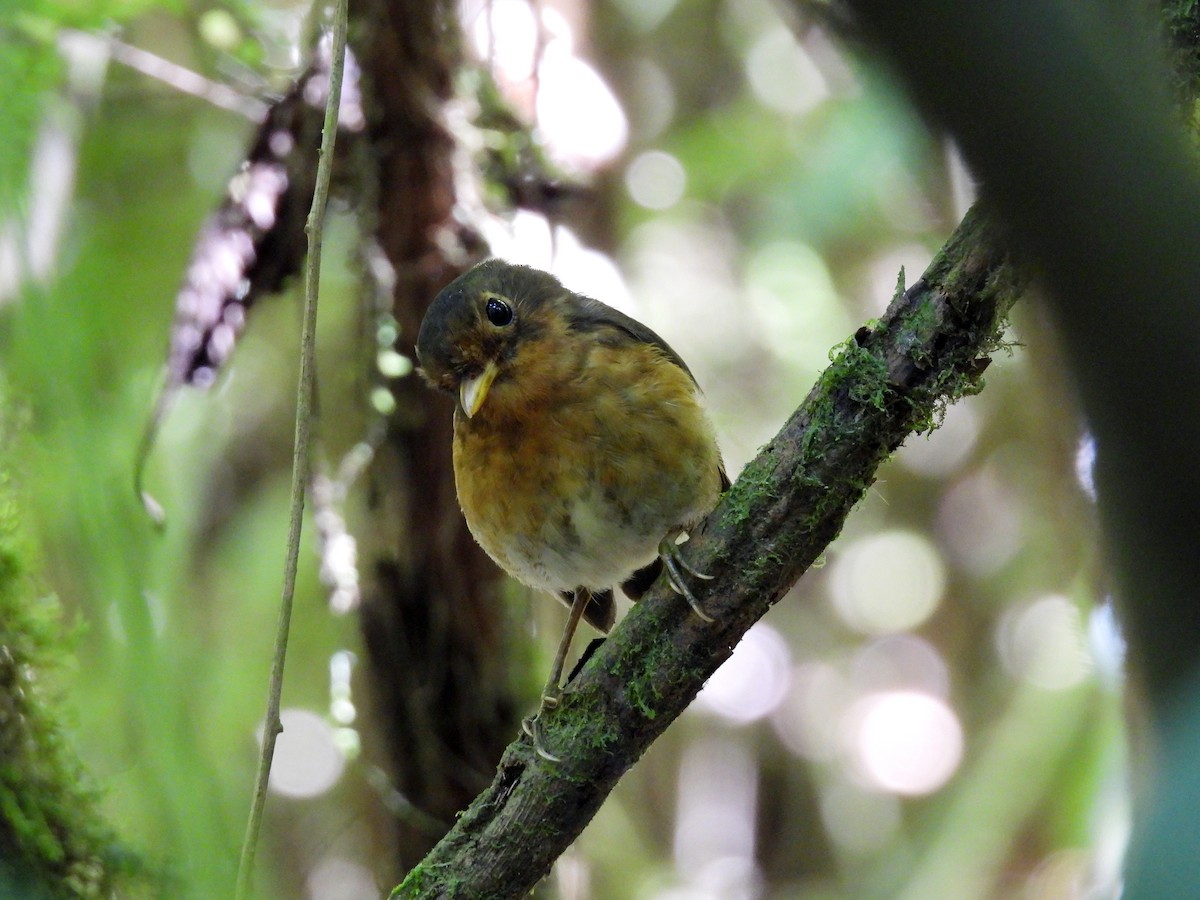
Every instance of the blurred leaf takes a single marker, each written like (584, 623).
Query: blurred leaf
(92, 15)
(53, 841)
(813, 179)
(37, 67)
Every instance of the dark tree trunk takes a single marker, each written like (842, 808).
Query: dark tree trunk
(433, 623)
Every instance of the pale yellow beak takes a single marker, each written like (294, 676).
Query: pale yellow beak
(473, 391)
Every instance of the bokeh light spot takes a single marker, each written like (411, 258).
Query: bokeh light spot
(505, 33)
(307, 762)
(1085, 464)
(944, 450)
(753, 681)
(717, 802)
(337, 878)
(1106, 642)
(650, 99)
(979, 520)
(392, 364)
(891, 581)
(807, 720)
(655, 180)
(900, 661)
(791, 295)
(383, 401)
(686, 264)
(1043, 643)
(783, 75)
(905, 742)
(219, 29)
(578, 115)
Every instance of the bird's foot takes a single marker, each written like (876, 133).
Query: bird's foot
(676, 565)
(552, 693)
(551, 698)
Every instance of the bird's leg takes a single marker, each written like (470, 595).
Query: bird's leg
(552, 692)
(676, 565)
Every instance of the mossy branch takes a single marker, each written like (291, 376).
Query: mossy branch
(891, 379)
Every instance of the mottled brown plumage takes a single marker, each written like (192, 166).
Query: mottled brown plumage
(580, 446)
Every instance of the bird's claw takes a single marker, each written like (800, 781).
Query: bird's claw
(551, 698)
(532, 727)
(676, 565)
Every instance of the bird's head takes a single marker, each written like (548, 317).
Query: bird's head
(476, 328)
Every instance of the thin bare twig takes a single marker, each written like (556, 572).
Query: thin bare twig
(300, 468)
(183, 79)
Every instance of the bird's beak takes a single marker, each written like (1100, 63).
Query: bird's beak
(473, 391)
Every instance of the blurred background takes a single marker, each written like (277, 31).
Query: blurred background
(934, 712)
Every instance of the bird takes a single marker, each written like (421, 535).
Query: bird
(581, 450)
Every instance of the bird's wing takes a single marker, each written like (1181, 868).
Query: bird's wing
(588, 315)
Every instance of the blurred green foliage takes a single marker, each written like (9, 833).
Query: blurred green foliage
(54, 840)
(37, 65)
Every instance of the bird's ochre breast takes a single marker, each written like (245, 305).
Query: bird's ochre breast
(573, 474)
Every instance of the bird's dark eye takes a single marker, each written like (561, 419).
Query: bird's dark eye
(499, 313)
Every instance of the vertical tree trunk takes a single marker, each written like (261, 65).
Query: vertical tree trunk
(433, 623)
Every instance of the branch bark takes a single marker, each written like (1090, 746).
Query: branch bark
(891, 379)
